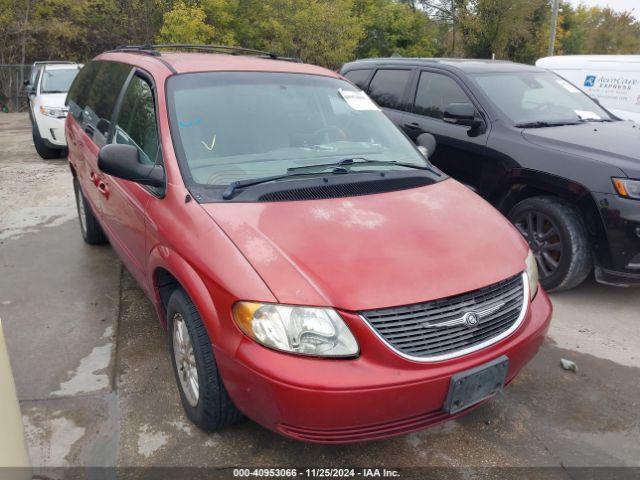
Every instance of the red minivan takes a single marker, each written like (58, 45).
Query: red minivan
(314, 271)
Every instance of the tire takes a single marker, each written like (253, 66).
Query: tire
(558, 238)
(210, 408)
(45, 152)
(90, 229)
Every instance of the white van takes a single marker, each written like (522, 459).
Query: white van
(614, 80)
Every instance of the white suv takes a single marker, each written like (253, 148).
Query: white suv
(47, 88)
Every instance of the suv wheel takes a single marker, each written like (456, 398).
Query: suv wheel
(45, 152)
(558, 239)
(89, 227)
(204, 397)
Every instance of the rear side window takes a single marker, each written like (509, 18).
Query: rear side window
(436, 91)
(387, 87)
(358, 77)
(136, 124)
(77, 96)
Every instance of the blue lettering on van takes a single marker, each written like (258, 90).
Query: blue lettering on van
(590, 81)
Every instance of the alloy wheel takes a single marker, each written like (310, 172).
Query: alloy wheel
(82, 214)
(543, 237)
(185, 360)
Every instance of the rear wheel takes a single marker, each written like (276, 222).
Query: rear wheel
(558, 240)
(204, 398)
(43, 150)
(89, 227)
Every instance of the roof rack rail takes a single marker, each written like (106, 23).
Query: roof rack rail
(45, 62)
(154, 50)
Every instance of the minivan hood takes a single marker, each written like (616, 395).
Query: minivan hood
(613, 143)
(377, 250)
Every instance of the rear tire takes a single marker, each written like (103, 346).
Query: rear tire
(208, 405)
(43, 150)
(558, 238)
(90, 229)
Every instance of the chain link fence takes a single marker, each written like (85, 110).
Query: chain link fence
(13, 97)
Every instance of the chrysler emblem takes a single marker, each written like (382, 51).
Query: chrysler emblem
(471, 319)
(468, 319)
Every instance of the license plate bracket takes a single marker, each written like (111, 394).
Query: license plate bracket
(472, 386)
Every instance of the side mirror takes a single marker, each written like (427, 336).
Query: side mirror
(426, 144)
(123, 161)
(461, 114)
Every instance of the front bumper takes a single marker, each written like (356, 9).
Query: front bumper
(51, 130)
(618, 255)
(376, 395)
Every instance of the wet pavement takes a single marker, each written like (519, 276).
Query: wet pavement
(96, 388)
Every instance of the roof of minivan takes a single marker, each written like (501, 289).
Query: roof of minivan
(468, 65)
(181, 62)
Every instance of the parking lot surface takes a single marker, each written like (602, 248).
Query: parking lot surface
(96, 388)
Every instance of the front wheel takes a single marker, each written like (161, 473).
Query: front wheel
(558, 239)
(204, 397)
(89, 227)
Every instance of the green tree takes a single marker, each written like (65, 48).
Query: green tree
(392, 27)
(185, 24)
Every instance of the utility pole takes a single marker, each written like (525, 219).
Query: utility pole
(554, 25)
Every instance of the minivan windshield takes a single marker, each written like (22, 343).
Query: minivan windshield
(58, 80)
(527, 98)
(237, 126)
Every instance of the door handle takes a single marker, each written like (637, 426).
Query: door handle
(412, 125)
(103, 189)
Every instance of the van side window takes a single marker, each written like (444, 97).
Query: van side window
(77, 96)
(101, 99)
(387, 87)
(358, 77)
(436, 91)
(136, 123)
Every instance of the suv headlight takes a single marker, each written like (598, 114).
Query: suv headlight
(532, 274)
(55, 112)
(294, 329)
(627, 188)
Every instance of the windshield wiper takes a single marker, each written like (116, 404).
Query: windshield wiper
(542, 124)
(340, 167)
(356, 161)
(233, 186)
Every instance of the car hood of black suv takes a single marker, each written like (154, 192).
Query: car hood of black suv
(613, 143)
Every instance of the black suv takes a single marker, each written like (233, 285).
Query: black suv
(563, 169)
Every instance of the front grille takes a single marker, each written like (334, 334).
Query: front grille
(436, 330)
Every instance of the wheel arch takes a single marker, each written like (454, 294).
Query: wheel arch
(168, 271)
(526, 184)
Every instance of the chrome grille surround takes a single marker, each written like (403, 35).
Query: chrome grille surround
(402, 330)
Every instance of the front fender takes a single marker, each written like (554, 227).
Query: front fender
(163, 257)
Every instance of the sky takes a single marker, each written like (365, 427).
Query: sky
(618, 5)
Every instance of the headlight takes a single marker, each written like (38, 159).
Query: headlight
(55, 112)
(532, 274)
(302, 330)
(627, 188)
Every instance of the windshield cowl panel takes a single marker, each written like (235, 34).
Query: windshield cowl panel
(237, 127)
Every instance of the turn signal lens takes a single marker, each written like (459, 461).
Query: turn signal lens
(294, 329)
(627, 188)
(532, 274)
